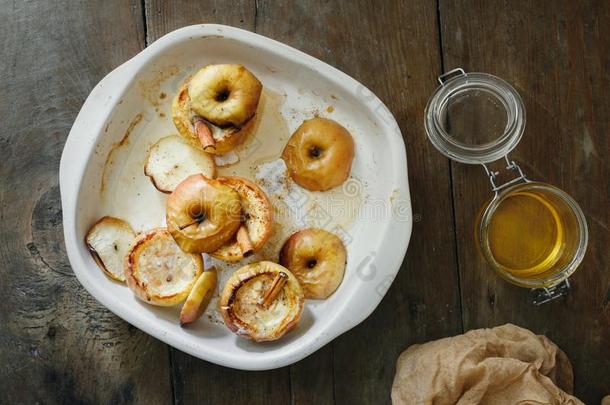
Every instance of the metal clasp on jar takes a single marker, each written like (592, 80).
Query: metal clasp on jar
(510, 165)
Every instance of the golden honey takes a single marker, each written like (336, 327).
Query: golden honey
(530, 233)
(526, 234)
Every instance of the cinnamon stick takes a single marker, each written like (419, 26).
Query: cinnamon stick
(205, 135)
(276, 286)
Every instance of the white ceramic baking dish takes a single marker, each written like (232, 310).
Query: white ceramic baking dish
(101, 174)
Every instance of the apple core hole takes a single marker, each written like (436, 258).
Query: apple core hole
(315, 152)
(222, 95)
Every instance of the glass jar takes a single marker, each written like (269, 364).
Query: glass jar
(532, 234)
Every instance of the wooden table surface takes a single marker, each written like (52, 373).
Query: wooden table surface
(58, 345)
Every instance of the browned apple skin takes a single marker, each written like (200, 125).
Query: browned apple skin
(317, 258)
(238, 280)
(260, 228)
(219, 208)
(319, 154)
(182, 115)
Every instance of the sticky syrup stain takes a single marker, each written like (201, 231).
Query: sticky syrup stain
(124, 141)
(134, 122)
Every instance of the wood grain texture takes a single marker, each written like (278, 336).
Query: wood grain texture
(165, 16)
(557, 58)
(392, 48)
(199, 382)
(57, 344)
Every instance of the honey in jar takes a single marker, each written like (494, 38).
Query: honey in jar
(526, 235)
(532, 234)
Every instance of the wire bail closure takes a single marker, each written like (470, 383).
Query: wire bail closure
(548, 294)
(510, 165)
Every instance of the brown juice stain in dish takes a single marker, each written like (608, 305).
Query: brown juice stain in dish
(335, 210)
(151, 89)
(124, 140)
(266, 141)
(134, 122)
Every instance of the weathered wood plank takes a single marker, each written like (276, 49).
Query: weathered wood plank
(165, 16)
(199, 382)
(58, 345)
(391, 47)
(196, 381)
(312, 379)
(557, 57)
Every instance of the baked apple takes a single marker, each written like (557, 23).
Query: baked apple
(199, 297)
(257, 221)
(158, 271)
(317, 259)
(319, 154)
(261, 301)
(172, 159)
(203, 214)
(216, 108)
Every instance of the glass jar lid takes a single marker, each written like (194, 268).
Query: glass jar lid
(474, 117)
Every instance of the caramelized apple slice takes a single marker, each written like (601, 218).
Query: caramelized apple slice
(158, 272)
(172, 159)
(108, 241)
(199, 297)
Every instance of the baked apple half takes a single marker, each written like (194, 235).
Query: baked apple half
(203, 214)
(158, 271)
(319, 154)
(215, 109)
(172, 159)
(108, 240)
(262, 301)
(256, 218)
(317, 259)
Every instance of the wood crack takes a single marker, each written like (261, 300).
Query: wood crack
(35, 253)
